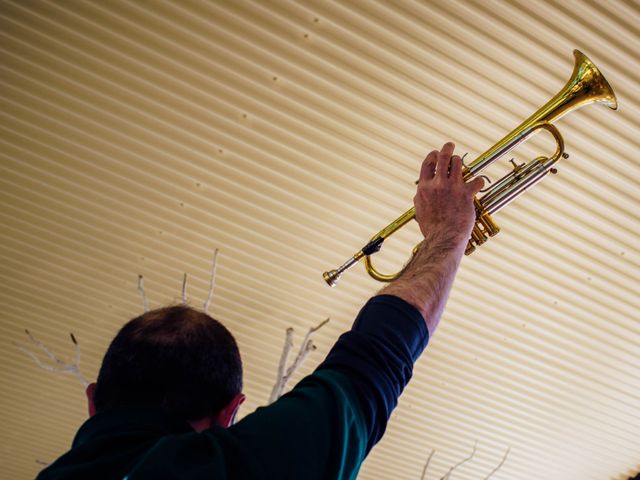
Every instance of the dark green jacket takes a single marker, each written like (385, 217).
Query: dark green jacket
(322, 429)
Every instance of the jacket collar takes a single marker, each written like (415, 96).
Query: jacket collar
(148, 422)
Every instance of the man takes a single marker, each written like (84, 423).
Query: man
(170, 383)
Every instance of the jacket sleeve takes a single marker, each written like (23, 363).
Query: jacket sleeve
(325, 426)
(377, 355)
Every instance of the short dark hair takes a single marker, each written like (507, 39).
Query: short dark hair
(176, 358)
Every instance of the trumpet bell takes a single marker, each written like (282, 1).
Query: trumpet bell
(589, 84)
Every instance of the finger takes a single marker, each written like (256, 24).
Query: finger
(444, 158)
(455, 170)
(448, 148)
(428, 166)
(474, 186)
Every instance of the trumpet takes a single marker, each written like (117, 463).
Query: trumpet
(585, 86)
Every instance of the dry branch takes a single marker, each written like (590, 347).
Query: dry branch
(184, 289)
(306, 346)
(212, 282)
(499, 465)
(284, 373)
(58, 366)
(448, 474)
(426, 466)
(143, 295)
(205, 307)
(461, 462)
(282, 365)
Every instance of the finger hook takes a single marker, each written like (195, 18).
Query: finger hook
(488, 180)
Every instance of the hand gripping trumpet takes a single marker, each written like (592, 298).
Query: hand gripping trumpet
(586, 86)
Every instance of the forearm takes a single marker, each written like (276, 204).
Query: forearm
(445, 214)
(426, 281)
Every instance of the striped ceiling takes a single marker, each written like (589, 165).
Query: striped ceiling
(137, 137)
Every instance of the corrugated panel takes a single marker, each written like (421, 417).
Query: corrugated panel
(139, 136)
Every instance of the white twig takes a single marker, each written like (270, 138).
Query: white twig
(77, 345)
(282, 365)
(305, 347)
(42, 347)
(448, 474)
(300, 358)
(284, 373)
(499, 465)
(37, 360)
(426, 465)
(143, 295)
(59, 365)
(212, 282)
(184, 289)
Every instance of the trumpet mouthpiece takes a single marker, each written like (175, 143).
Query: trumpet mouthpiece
(331, 277)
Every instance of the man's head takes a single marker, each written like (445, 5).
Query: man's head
(175, 358)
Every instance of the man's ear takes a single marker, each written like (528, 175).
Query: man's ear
(91, 391)
(228, 414)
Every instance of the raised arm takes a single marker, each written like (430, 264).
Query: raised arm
(445, 213)
(393, 328)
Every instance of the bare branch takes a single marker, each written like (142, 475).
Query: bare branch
(42, 347)
(284, 358)
(212, 282)
(499, 465)
(143, 295)
(288, 345)
(184, 289)
(75, 342)
(48, 368)
(304, 347)
(284, 373)
(448, 474)
(300, 358)
(426, 465)
(320, 325)
(59, 365)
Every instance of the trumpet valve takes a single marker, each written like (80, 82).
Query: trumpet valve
(470, 248)
(516, 167)
(483, 228)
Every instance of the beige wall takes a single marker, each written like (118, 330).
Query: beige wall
(137, 137)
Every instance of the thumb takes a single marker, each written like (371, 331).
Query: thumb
(475, 185)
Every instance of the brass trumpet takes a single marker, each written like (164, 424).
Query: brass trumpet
(586, 85)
